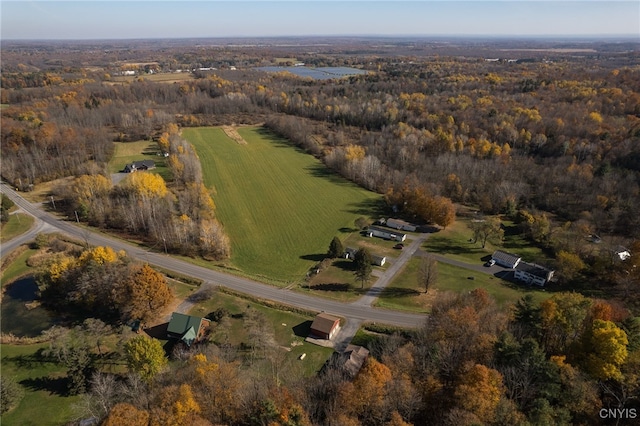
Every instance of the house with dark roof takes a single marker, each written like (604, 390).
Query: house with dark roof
(139, 165)
(508, 260)
(350, 253)
(531, 273)
(325, 326)
(352, 359)
(186, 328)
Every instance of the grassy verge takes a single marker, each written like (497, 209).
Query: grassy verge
(18, 224)
(17, 267)
(280, 206)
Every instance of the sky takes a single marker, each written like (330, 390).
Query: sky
(77, 20)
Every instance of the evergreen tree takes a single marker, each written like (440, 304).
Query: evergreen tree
(336, 249)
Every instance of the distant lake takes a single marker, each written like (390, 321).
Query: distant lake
(16, 318)
(322, 73)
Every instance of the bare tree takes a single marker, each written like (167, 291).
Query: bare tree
(428, 272)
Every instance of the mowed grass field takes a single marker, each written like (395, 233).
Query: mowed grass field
(128, 152)
(280, 206)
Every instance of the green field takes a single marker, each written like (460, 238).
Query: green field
(128, 152)
(404, 294)
(280, 206)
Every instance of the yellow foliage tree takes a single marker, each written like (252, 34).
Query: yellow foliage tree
(606, 350)
(100, 255)
(146, 184)
(479, 391)
(147, 292)
(354, 153)
(126, 414)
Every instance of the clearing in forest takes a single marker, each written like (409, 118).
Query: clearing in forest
(280, 206)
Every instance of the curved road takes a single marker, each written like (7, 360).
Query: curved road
(358, 312)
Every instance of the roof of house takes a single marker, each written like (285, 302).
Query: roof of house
(377, 259)
(505, 257)
(324, 323)
(181, 324)
(350, 250)
(394, 222)
(144, 163)
(387, 230)
(354, 358)
(533, 269)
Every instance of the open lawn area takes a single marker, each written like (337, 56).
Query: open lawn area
(170, 78)
(128, 152)
(45, 401)
(289, 330)
(337, 281)
(280, 206)
(18, 224)
(17, 266)
(403, 292)
(456, 242)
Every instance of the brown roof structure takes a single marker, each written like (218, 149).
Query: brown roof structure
(354, 358)
(324, 325)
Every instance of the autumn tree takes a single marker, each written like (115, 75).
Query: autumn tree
(487, 230)
(145, 356)
(364, 398)
(126, 414)
(146, 293)
(11, 393)
(569, 264)
(362, 261)
(336, 249)
(427, 273)
(605, 350)
(479, 391)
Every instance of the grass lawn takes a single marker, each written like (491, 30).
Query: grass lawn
(128, 152)
(404, 294)
(289, 330)
(18, 224)
(454, 242)
(338, 282)
(280, 206)
(44, 402)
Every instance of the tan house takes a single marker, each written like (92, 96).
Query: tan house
(325, 326)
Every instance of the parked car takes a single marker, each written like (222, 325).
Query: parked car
(490, 262)
(399, 246)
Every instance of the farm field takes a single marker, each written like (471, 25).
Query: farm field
(403, 292)
(280, 206)
(127, 152)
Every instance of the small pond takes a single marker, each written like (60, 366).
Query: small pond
(17, 319)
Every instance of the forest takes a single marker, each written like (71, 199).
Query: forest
(546, 136)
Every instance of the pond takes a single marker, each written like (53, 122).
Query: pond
(19, 320)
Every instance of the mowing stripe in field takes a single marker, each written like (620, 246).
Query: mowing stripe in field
(280, 206)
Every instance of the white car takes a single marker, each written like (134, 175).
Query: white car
(490, 262)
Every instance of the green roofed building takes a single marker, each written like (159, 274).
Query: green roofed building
(187, 328)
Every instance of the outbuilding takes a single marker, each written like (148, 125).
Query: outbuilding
(508, 260)
(325, 326)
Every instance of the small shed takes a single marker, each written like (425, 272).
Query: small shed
(187, 328)
(325, 326)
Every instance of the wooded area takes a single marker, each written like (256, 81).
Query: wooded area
(550, 141)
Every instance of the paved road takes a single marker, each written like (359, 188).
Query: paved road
(212, 277)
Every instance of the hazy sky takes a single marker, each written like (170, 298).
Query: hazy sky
(171, 19)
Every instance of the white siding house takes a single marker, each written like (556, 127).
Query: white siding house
(401, 224)
(532, 274)
(508, 260)
(387, 234)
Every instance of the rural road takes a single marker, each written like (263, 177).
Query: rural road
(355, 312)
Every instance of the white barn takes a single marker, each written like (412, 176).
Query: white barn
(508, 260)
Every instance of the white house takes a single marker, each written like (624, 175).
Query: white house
(387, 234)
(401, 224)
(508, 260)
(531, 273)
